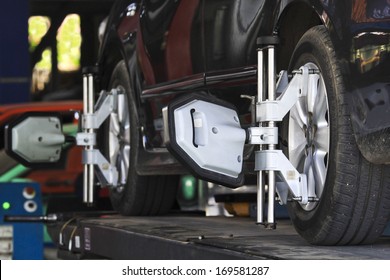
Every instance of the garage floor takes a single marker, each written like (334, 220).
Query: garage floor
(197, 237)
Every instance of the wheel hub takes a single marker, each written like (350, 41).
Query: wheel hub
(310, 133)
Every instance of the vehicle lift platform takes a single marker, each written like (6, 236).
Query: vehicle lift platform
(193, 236)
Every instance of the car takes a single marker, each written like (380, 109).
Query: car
(156, 51)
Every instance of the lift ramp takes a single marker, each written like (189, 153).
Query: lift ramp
(184, 236)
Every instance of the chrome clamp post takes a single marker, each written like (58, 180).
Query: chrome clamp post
(270, 110)
(266, 45)
(88, 109)
(93, 117)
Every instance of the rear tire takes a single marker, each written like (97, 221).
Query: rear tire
(137, 195)
(354, 195)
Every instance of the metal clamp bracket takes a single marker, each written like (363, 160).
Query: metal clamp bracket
(85, 139)
(109, 173)
(276, 110)
(92, 118)
(105, 105)
(272, 107)
(275, 160)
(262, 135)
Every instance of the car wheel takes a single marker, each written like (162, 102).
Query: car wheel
(135, 195)
(350, 196)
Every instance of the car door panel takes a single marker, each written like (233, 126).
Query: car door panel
(231, 28)
(171, 38)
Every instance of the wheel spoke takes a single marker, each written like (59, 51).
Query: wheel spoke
(297, 143)
(122, 110)
(319, 171)
(321, 104)
(308, 162)
(121, 170)
(321, 139)
(297, 155)
(113, 148)
(123, 163)
(126, 135)
(308, 170)
(312, 92)
(114, 130)
(311, 183)
(299, 114)
(114, 124)
(126, 156)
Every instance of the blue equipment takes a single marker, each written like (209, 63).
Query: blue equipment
(20, 240)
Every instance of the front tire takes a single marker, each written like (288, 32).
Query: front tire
(136, 195)
(352, 196)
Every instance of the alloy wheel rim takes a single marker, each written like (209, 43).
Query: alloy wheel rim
(119, 139)
(309, 136)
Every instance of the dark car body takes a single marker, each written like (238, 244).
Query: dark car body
(173, 47)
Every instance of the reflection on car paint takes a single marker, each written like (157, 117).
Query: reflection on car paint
(370, 49)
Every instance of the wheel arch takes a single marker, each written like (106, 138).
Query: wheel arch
(303, 17)
(115, 50)
(111, 54)
(119, 39)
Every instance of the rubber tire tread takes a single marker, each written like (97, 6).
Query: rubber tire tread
(355, 204)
